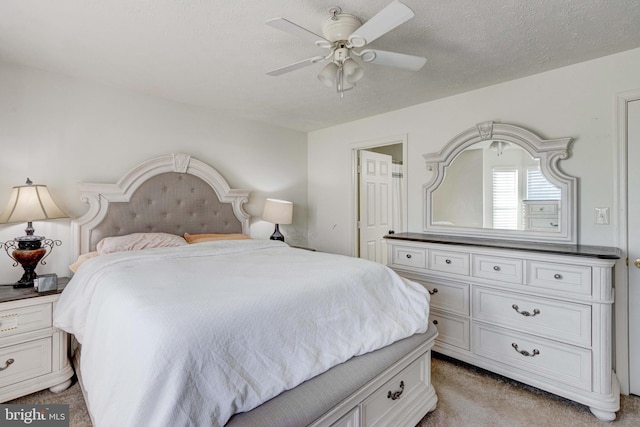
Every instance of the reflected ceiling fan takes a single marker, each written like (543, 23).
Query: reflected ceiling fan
(345, 35)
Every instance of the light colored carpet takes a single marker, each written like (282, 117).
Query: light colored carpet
(467, 396)
(470, 396)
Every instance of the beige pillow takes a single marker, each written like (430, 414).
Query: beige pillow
(199, 238)
(81, 259)
(137, 241)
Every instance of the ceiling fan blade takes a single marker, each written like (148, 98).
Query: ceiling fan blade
(384, 21)
(295, 29)
(393, 59)
(295, 66)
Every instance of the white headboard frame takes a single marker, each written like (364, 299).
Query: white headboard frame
(99, 196)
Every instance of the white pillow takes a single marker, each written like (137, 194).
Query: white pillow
(137, 241)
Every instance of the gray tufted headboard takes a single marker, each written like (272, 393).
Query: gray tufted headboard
(172, 194)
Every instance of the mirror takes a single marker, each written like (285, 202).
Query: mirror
(499, 180)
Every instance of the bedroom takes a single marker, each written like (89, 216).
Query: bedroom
(70, 129)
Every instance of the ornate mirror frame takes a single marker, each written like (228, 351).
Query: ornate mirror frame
(549, 152)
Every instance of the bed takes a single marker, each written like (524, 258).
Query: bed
(298, 338)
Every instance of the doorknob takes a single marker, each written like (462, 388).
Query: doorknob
(637, 263)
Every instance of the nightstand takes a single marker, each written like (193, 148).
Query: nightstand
(33, 354)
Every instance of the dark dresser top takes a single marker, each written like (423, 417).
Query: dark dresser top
(602, 252)
(9, 293)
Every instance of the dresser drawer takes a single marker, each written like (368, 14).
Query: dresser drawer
(541, 208)
(559, 277)
(497, 268)
(25, 361)
(447, 295)
(533, 356)
(389, 402)
(452, 330)
(542, 223)
(407, 256)
(449, 262)
(24, 319)
(563, 321)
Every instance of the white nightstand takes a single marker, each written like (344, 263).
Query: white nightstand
(33, 354)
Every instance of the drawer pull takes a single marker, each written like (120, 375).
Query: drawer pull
(525, 313)
(496, 268)
(525, 352)
(448, 261)
(553, 225)
(557, 276)
(434, 291)
(434, 321)
(7, 364)
(396, 394)
(408, 256)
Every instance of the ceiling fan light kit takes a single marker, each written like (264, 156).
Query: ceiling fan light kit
(342, 32)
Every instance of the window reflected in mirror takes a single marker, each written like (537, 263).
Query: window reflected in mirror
(499, 185)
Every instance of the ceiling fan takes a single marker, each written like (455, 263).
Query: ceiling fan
(344, 34)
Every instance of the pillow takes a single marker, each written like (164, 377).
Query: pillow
(137, 241)
(81, 259)
(198, 238)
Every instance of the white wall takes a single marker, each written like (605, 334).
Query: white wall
(575, 101)
(61, 131)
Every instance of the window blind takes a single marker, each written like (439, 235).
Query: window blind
(539, 188)
(505, 198)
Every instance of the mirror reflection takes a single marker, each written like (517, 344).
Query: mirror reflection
(498, 185)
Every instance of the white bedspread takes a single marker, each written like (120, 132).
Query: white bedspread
(191, 335)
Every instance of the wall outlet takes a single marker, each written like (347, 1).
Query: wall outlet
(602, 215)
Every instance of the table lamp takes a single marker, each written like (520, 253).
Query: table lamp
(30, 203)
(278, 212)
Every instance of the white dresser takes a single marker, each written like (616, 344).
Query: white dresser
(538, 313)
(540, 214)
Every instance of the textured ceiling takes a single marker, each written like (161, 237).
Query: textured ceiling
(214, 53)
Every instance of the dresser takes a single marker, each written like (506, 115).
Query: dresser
(540, 314)
(540, 214)
(33, 354)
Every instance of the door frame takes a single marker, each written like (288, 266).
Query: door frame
(354, 208)
(622, 100)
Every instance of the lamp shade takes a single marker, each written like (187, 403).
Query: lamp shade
(352, 71)
(30, 203)
(278, 211)
(328, 74)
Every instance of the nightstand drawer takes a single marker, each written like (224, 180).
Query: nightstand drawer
(24, 319)
(25, 361)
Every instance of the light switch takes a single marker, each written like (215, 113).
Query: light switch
(602, 215)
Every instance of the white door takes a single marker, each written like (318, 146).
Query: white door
(633, 227)
(375, 204)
